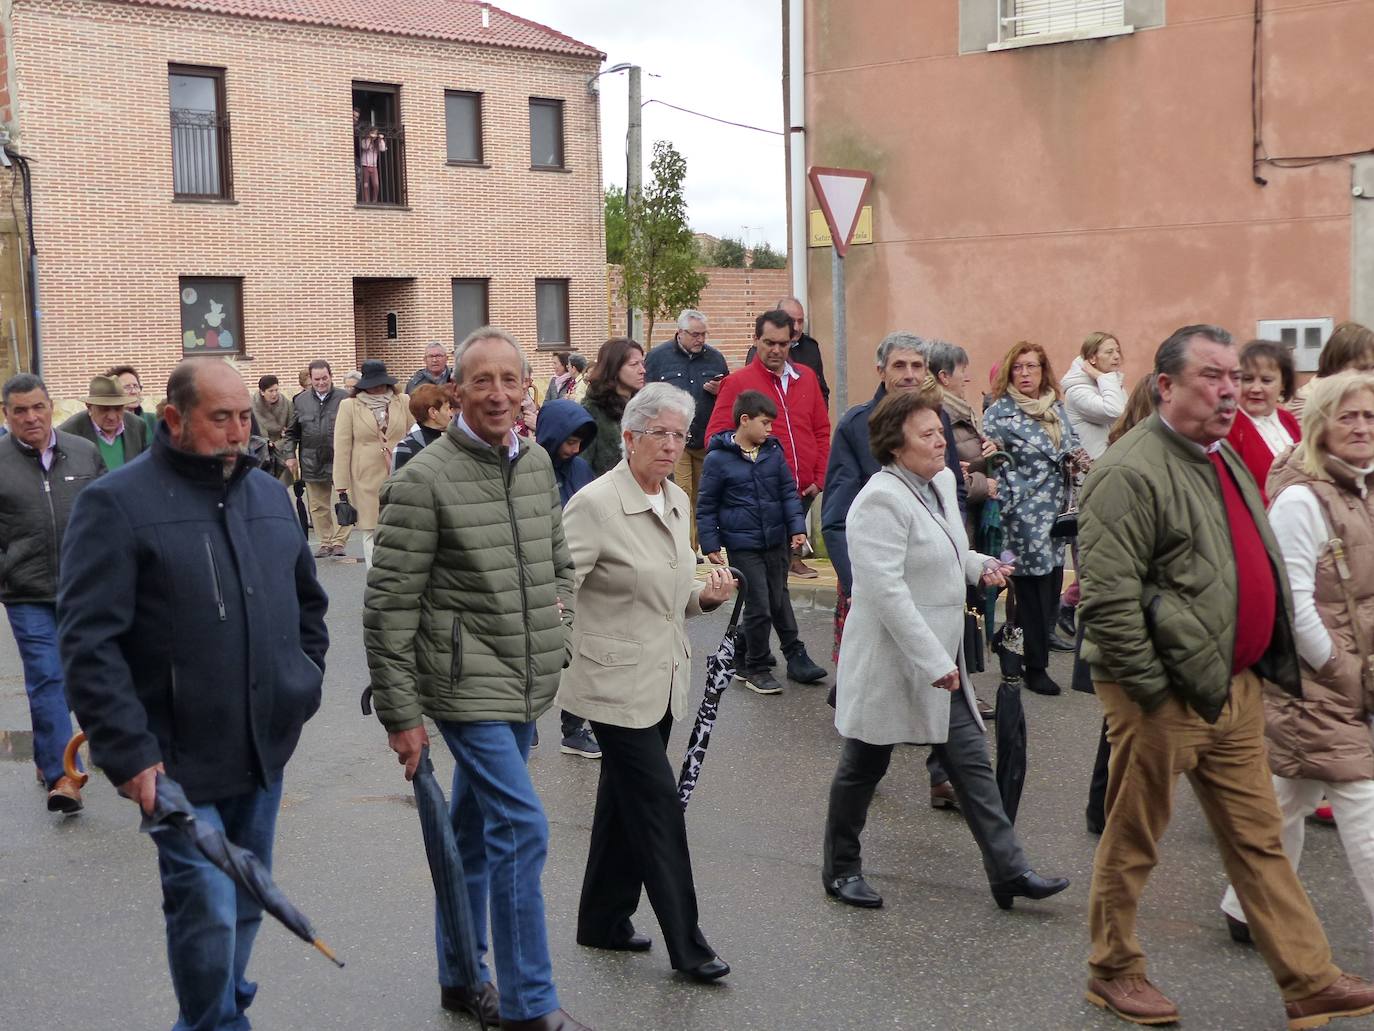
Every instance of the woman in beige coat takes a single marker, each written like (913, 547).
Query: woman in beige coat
(367, 429)
(629, 534)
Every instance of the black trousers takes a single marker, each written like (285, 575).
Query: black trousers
(767, 605)
(1037, 609)
(964, 757)
(1097, 787)
(639, 838)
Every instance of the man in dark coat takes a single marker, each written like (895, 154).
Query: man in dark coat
(119, 435)
(308, 447)
(42, 470)
(436, 370)
(193, 638)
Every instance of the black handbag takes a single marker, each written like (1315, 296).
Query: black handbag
(344, 513)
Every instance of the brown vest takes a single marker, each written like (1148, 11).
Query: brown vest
(1325, 734)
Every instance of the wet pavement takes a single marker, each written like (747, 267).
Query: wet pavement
(81, 933)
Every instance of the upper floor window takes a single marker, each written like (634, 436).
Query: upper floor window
(551, 312)
(546, 133)
(379, 145)
(1021, 22)
(211, 315)
(201, 166)
(463, 119)
(470, 299)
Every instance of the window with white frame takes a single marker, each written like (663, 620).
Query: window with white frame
(1306, 337)
(1034, 21)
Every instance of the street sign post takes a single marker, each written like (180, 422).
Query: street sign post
(841, 193)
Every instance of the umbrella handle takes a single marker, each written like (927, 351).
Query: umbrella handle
(739, 597)
(69, 759)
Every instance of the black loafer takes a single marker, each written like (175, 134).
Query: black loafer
(1030, 885)
(1059, 644)
(712, 970)
(1039, 682)
(853, 891)
(636, 942)
(485, 1005)
(1239, 930)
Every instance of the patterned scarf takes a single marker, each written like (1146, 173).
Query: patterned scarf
(1042, 410)
(380, 407)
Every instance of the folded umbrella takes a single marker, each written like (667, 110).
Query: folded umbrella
(298, 488)
(720, 668)
(1011, 746)
(446, 870)
(172, 814)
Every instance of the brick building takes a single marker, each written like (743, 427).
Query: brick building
(196, 182)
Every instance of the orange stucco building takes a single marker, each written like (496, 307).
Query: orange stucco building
(1098, 177)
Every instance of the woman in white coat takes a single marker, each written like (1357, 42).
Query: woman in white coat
(1094, 396)
(901, 676)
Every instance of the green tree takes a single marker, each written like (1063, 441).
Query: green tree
(660, 256)
(727, 253)
(766, 257)
(617, 226)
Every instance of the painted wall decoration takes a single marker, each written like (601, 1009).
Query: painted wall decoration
(211, 316)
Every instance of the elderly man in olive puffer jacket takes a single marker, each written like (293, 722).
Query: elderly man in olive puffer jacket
(467, 617)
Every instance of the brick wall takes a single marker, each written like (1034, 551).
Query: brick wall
(114, 242)
(733, 298)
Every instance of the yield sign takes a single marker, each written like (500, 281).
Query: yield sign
(841, 192)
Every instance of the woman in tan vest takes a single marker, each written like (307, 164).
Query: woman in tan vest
(366, 431)
(1322, 512)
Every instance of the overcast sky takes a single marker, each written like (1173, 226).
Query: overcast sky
(721, 57)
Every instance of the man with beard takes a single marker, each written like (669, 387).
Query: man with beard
(192, 634)
(1185, 607)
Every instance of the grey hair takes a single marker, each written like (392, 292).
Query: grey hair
(355, 374)
(477, 335)
(653, 401)
(436, 343)
(945, 357)
(690, 315)
(23, 383)
(1172, 357)
(901, 341)
(788, 300)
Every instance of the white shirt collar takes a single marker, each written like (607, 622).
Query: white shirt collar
(514, 446)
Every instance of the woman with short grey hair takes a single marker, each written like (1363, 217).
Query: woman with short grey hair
(636, 585)
(948, 364)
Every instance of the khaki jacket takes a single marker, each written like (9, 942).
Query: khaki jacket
(635, 586)
(362, 459)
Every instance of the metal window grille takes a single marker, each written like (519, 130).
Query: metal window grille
(1022, 18)
(201, 164)
(391, 169)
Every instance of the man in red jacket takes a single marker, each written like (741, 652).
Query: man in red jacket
(803, 422)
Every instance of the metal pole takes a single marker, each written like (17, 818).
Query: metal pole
(841, 348)
(634, 179)
(796, 144)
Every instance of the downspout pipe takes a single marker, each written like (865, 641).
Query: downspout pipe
(796, 142)
(34, 310)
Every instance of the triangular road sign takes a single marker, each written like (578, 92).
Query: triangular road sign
(841, 192)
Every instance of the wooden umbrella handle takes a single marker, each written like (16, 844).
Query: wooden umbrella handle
(69, 759)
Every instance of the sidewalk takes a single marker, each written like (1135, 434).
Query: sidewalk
(806, 593)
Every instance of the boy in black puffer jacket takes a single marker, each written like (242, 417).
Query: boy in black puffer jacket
(748, 503)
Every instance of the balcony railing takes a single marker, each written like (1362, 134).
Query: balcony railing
(202, 165)
(389, 188)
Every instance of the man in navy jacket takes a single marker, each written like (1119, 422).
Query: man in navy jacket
(193, 639)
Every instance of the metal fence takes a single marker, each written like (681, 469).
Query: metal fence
(201, 154)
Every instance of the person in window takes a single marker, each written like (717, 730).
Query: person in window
(617, 376)
(1263, 429)
(370, 147)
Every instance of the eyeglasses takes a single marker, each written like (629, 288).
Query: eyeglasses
(662, 436)
(695, 335)
(1033, 367)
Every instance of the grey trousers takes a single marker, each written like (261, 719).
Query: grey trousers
(964, 755)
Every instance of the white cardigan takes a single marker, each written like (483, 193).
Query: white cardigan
(1093, 405)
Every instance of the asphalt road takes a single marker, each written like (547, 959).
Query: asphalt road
(81, 942)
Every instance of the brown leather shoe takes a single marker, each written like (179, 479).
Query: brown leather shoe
(801, 569)
(65, 797)
(485, 1005)
(942, 796)
(1132, 998)
(555, 1021)
(1347, 996)
(323, 551)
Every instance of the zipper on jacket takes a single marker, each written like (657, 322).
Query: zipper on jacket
(455, 662)
(214, 575)
(52, 510)
(509, 477)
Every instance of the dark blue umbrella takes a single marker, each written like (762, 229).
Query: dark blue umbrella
(720, 668)
(446, 870)
(172, 814)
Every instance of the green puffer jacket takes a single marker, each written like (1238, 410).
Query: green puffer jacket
(461, 617)
(1159, 574)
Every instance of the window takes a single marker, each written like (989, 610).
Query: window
(463, 116)
(211, 315)
(469, 307)
(551, 312)
(379, 145)
(1009, 24)
(546, 133)
(1306, 337)
(201, 168)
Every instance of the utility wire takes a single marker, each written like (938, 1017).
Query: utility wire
(713, 118)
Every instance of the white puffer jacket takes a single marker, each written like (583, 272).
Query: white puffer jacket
(1093, 406)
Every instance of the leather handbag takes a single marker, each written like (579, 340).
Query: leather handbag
(344, 513)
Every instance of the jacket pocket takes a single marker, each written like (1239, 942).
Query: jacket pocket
(214, 576)
(609, 651)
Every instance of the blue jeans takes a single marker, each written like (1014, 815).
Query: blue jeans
(210, 923)
(503, 838)
(35, 632)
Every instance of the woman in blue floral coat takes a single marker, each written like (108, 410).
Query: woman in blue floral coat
(1028, 421)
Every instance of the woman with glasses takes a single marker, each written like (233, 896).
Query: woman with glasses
(615, 378)
(1028, 421)
(629, 534)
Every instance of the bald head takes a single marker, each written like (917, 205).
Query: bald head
(208, 410)
(794, 309)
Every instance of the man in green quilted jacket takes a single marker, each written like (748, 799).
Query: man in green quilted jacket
(1186, 607)
(466, 620)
